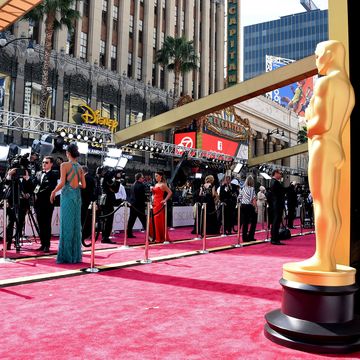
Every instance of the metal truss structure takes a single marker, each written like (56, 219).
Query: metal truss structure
(179, 151)
(36, 125)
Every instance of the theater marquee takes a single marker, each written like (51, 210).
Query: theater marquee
(233, 36)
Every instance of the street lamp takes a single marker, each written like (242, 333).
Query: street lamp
(276, 133)
(4, 42)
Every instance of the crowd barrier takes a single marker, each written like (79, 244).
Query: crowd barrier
(122, 215)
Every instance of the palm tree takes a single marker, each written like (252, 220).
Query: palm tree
(178, 55)
(302, 135)
(56, 14)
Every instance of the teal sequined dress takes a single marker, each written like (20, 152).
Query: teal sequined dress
(70, 220)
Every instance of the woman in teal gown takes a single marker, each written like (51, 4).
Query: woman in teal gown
(71, 180)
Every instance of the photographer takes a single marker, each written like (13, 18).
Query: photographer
(18, 192)
(110, 186)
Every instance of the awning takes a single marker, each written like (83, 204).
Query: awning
(12, 10)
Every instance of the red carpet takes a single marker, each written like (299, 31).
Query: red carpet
(31, 262)
(208, 306)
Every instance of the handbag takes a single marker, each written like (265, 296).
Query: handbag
(284, 233)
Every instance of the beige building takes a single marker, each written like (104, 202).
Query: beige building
(114, 43)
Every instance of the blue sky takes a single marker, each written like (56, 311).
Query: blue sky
(257, 11)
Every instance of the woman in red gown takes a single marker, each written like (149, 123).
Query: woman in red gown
(157, 225)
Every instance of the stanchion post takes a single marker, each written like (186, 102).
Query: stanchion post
(92, 267)
(4, 259)
(223, 218)
(125, 245)
(197, 230)
(238, 244)
(302, 218)
(166, 239)
(204, 251)
(147, 260)
(267, 222)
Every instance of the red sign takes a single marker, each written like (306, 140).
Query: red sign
(219, 145)
(187, 139)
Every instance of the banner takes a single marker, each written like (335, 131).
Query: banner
(219, 145)
(295, 96)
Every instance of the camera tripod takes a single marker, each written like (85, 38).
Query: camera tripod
(33, 223)
(16, 213)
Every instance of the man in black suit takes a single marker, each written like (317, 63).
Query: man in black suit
(276, 205)
(88, 195)
(137, 201)
(227, 197)
(45, 182)
(110, 186)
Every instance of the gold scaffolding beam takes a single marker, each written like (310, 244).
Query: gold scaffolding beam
(243, 91)
(284, 153)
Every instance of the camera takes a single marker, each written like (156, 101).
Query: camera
(21, 164)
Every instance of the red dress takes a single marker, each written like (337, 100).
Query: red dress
(158, 221)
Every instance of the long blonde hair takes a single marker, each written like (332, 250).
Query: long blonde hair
(209, 179)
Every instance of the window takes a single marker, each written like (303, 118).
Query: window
(102, 52)
(154, 38)
(83, 45)
(131, 26)
(104, 5)
(129, 72)
(113, 57)
(104, 11)
(116, 12)
(140, 31)
(115, 18)
(86, 8)
(139, 68)
(115, 25)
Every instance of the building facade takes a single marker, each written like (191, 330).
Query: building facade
(291, 37)
(108, 62)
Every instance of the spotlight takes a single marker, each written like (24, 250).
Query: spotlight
(100, 141)
(141, 147)
(94, 138)
(62, 133)
(70, 136)
(146, 148)
(151, 149)
(86, 138)
(78, 136)
(136, 146)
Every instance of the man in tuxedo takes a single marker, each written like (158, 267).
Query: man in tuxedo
(227, 197)
(137, 201)
(110, 186)
(276, 205)
(88, 195)
(45, 182)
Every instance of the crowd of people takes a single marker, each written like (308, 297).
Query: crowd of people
(78, 190)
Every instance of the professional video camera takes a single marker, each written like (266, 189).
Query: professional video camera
(21, 164)
(112, 176)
